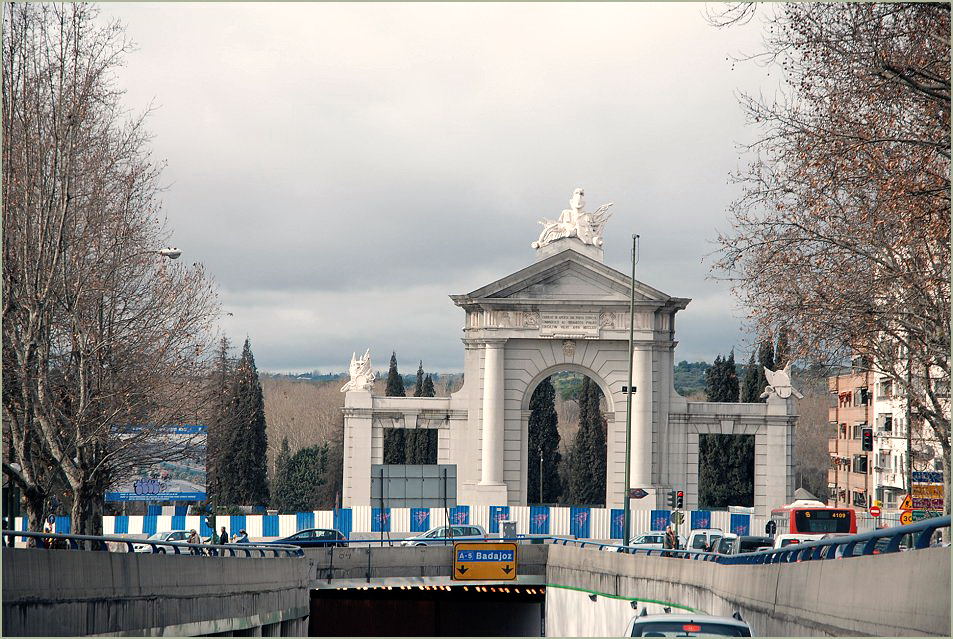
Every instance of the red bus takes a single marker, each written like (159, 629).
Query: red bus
(814, 518)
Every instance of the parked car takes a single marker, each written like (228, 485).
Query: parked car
(441, 535)
(704, 538)
(693, 625)
(314, 538)
(174, 535)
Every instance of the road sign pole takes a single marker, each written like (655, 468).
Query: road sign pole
(628, 399)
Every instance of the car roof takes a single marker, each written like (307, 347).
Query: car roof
(754, 538)
(688, 618)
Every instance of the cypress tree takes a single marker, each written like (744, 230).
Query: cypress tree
(280, 496)
(765, 360)
(749, 388)
(543, 436)
(715, 381)
(579, 476)
(220, 430)
(249, 444)
(428, 389)
(596, 448)
(730, 379)
(419, 388)
(783, 352)
(394, 440)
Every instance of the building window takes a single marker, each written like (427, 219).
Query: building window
(885, 389)
(860, 499)
(885, 423)
(860, 464)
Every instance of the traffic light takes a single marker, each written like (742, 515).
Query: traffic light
(679, 499)
(867, 439)
(671, 499)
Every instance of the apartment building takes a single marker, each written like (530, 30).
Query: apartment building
(862, 399)
(850, 478)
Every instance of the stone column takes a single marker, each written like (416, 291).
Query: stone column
(358, 438)
(641, 435)
(492, 468)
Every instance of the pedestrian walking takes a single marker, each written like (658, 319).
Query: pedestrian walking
(49, 527)
(194, 539)
(223, 538)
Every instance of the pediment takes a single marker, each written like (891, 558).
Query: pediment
(567, 276)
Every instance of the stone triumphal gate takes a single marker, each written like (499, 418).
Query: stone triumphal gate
(567, 311)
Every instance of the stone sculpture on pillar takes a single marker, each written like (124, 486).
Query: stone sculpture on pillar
(779, 383)
(362, 376)
(575, 222)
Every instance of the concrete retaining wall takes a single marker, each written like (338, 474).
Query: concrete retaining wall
(901, 594)
(61, 592)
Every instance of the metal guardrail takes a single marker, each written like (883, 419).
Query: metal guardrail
(98, 543)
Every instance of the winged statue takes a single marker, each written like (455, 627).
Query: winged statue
(779, 382)
(362, 375)
(575, 222)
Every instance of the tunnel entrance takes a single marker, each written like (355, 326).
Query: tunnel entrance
(501, 610)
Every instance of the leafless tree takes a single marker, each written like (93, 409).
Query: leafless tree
(842, 233)
(104, 341)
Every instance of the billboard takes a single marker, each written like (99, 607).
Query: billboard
(176, 471)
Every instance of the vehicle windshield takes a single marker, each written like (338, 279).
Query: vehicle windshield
(159, 536)
(648, 539)
(688, 629)
(751, 545)
(818, 520)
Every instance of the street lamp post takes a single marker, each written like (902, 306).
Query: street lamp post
(628, 398)
(541, 475)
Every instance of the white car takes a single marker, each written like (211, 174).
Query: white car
(649, 540)
(442, 535)
(690, 625)
(175, 535)
(704, 539)
(790, 539)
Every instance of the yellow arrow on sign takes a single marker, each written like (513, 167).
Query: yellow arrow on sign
(484, 561)
(907, 504)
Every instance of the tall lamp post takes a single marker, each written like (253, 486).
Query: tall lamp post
(628, 397)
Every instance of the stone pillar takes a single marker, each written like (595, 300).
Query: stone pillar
(641, 435)
(491, 490)
(492, 470)
(358, 430)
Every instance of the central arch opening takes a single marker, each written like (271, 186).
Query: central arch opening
(567, 440)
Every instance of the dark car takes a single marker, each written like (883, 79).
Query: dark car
(314, 538)
(751, 543)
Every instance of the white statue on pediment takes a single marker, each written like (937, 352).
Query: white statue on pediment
(362, 375)
(779, 383)
(575, 222)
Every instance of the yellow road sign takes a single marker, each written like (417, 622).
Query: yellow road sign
(906, 517)
(930, 491)
(907, 504)
(484, 561)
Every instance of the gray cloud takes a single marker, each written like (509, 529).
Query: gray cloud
(341, 169)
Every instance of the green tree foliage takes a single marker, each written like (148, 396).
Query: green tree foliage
(428, 389)
(587, 457)
(783, 352)
(749, 388)
(726, 470)
(721, 380)
(690, 377)
(279, 494)
(543, 438)
(248, 473)
(305, 484)
(218, 443)
(419, 388)
(765, 360)
(395, 444)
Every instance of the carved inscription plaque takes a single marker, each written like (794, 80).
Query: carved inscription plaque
(556, 324)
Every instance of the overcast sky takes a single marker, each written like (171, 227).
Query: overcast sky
(341, 169)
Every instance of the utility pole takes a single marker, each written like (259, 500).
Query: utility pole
(541, 475)
(628, 399)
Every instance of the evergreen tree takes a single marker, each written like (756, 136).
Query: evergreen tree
(419, 388)
(249, 443)
(579, 476)
(308, 472)
(725, 470)
(765, 360)
(280, 497)
(543, 436)
(783, 351)
(749, 388)
(715, 380)
(218, 442)
(730, 379)
(428, 389)
(395, 383)
(596, 448)
(395, 445)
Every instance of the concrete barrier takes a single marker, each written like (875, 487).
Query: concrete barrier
(70, 593)
(814, 598)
